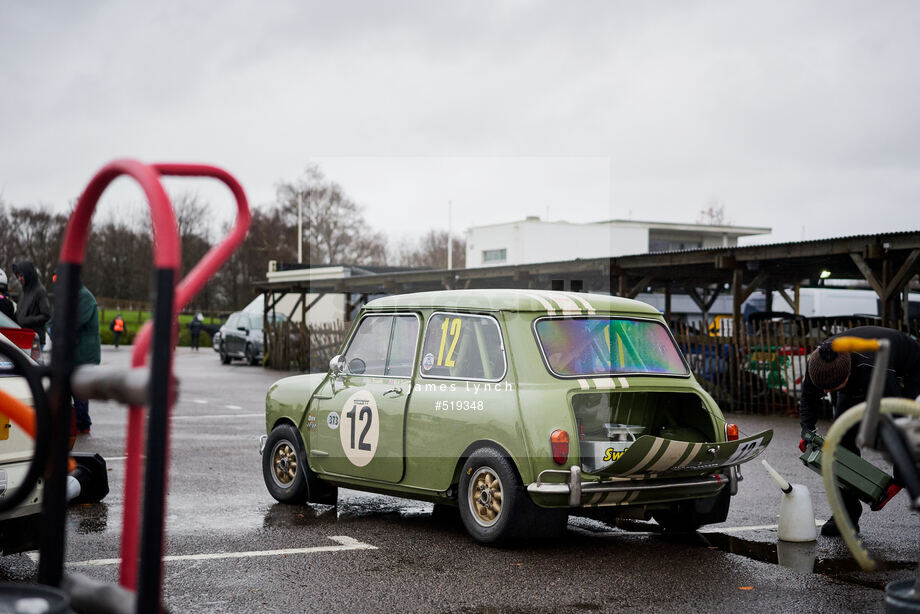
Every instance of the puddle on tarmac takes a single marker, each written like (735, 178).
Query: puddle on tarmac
(377, 507)
(87, 518)
(802, 557)
(805, 558)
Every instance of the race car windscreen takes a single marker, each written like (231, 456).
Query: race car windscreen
(605, 346)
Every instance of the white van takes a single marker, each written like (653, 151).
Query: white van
(818, 302)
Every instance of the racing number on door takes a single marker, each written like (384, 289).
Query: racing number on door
(366, 416)
(360, 429)
(453, 325)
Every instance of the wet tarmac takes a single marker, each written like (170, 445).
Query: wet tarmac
(232, 548)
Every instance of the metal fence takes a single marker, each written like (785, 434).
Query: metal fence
(759, 369)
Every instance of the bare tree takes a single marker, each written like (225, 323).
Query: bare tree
(250, 261)
(714, 214)
(430, 251)
(36, 235)
(335, 230)
(118, 262)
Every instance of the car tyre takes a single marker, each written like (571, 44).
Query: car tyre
(287, 476)
(224, 356)
(248, 356)
(492, 501)
(283, 465)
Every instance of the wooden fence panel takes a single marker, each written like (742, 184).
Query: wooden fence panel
(308, 349)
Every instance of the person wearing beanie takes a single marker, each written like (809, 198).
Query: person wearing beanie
(7, 306)
(34, 308)
(846, 377)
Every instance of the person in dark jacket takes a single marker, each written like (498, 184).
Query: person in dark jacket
(846, 377)
(88, 350)
(194, 329)
(34, 309)
(7, 306)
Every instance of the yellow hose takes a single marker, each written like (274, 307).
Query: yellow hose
(840, 426)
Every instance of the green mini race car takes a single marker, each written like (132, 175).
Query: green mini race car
(517, 406)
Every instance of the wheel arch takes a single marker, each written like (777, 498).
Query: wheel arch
(482, 443)
(286, 420)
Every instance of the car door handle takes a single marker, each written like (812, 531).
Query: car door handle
(396, 391)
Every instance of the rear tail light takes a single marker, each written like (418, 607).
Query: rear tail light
(36, 352)
(731, 432)
(559, 443)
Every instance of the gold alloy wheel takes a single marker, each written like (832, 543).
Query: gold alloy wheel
(284, 464)
(485, 496)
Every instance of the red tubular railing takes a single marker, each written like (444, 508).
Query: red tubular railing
(166, 256)
(158, 336)
(187, 288)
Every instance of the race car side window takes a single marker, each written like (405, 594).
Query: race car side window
(403, 340)
(463, 346)
(367, 353)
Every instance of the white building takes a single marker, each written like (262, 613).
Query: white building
(534, 240)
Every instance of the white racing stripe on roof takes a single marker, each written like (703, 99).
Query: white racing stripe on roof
(545, 303)
(605, 382)
(569, 307)
(585, 304)
(583, 383)
(623, 382)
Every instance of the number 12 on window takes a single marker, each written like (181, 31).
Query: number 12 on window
(453, 325)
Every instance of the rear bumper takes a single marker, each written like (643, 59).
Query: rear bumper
(579, 493)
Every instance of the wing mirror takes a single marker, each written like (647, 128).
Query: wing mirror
(337, 366)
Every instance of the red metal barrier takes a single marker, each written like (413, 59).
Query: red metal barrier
(190, 285)
(157, 337)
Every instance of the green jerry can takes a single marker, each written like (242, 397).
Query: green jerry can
(854, 473)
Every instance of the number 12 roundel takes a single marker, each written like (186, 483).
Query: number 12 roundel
(360, 428)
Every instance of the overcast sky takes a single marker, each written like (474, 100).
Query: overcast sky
(799, 116)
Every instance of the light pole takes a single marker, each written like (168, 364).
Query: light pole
(450, 255)
(300, 228)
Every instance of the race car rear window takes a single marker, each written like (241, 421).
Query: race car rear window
(605, 346)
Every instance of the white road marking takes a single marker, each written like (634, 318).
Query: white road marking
(233, 407)
(218, 416)
(114, 459)
(344, 543)
(200, 401)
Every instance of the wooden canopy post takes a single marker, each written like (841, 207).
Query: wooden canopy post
(667, 304)
(890, 285)
(704, 302)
